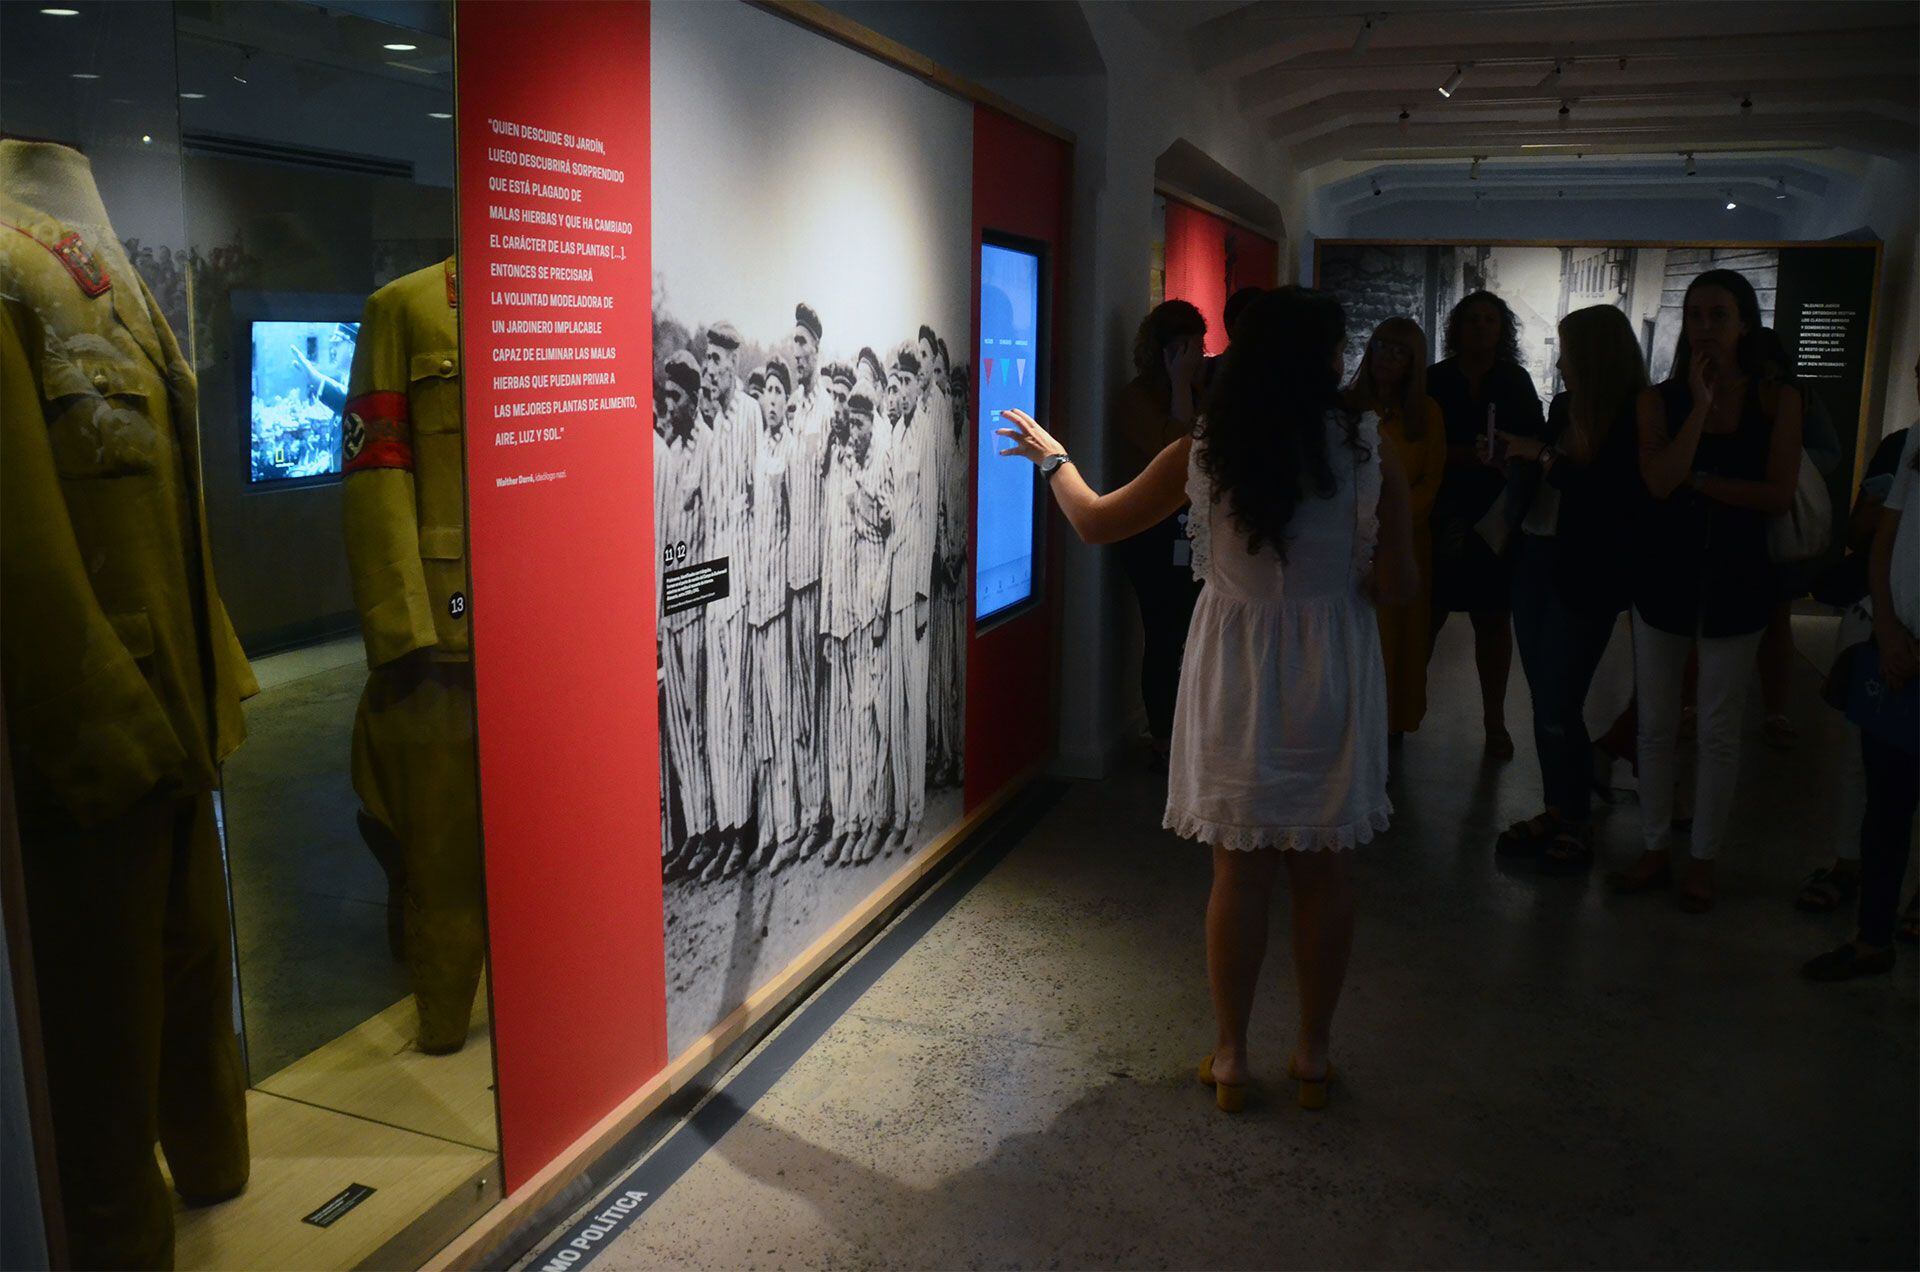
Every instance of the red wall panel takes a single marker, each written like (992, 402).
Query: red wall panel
(1022, 184)
(553, 119)
(1209, 258)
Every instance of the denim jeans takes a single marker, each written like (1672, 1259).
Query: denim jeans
(1886, 833)
(1560, 649)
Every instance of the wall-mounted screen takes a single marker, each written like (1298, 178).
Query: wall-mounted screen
(297, 377)
(1005, 530)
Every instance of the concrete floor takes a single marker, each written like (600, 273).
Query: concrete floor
(1534, 1073)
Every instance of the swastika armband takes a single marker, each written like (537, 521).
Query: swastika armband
(376, 433)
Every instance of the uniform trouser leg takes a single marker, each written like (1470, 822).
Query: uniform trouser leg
(728, 753)
(840, 733)
(873, 784)
(135, 977)
(940, 744)
(685, 725)
(420, 750)
(1886, 833)
(804, 678)
(772, 734)
(917, 713)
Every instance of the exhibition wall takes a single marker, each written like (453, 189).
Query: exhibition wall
(1208, 258)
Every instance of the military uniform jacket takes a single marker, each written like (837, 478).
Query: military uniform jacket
(122, 672)
(406, 523)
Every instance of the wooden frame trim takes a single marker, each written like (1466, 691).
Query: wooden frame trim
(1178, 195)
(1873, 315)
(839, 27)
(471, 1248)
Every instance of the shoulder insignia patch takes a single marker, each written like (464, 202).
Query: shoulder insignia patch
(86, 271)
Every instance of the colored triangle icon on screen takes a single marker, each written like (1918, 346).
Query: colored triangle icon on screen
(986, 365)
(1020, 369)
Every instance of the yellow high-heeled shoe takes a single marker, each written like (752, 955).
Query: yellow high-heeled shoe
(1310, 1093)
(1228, 1097)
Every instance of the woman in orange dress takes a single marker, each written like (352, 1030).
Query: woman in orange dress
(1392, 383)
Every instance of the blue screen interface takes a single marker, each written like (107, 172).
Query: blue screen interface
(299, 380)
(1009, 369)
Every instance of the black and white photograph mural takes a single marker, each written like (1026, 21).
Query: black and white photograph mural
(1542, 283)
(811, 447)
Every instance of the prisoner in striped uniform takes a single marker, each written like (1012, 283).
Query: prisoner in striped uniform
(842, 619)
(873, 530)
(732, 420)
(910, 587)
(679, 516)
(813, 410)
(769, 522)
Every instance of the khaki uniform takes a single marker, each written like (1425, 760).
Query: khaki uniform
(123, 681)
(413, 743)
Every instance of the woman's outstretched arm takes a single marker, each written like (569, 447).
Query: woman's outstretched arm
(1146, 501)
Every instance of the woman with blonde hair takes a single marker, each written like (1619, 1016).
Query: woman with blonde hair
(1570, 582)
(1392, 383)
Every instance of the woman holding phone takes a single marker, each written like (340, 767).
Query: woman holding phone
(1717, 464)
(1299, 526)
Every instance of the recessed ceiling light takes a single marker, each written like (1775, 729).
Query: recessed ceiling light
(438, 114)
(61, 13)
(84, 75)
(192, 97)
(399, 48)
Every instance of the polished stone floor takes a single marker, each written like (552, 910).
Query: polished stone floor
(1534, 1073)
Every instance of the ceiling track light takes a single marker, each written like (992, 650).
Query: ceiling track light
(1473, 169)
(1452, 84)
(1731, 205)
(1552, 77)
(246, 58)
(1746, 105)
(1375, 183)
(1779, 187)
(1365, 37)
(1406, 118)
(1688, 155)
(1566, 113)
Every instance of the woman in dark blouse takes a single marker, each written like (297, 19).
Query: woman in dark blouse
(1481, 371)
(1717, 465)
(1581, 486)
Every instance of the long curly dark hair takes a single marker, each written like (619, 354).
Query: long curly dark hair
(1509, 350)
(1265, 425)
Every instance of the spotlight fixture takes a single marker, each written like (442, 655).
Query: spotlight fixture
(439, 114)
(1365, 37)
(399, 48)
(1746, 105)
(1473, 169)
(246, 60)
(1375, 183)
(192, 97)
(146, 139)
(1452, 85)
(1623, 64)
(1566, 113)
(61, 13)
(1552, 77)
(1731, 205)
(1779, 187)
(1690, 168)
(1406, 117)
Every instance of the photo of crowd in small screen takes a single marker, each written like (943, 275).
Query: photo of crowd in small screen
(299, 383)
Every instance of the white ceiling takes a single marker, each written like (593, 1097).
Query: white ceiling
(1642, 84)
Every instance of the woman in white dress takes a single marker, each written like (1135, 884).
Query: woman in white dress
(1300, 522)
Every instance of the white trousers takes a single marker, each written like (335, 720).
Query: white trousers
(1720, 699)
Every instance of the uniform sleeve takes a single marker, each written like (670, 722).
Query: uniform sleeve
(382, 519)
(80, 714)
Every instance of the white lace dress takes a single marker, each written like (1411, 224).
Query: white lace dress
(1280, 733)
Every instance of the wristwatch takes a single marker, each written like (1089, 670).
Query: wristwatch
(1053, 464)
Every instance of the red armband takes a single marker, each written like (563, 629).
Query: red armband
(376, 433)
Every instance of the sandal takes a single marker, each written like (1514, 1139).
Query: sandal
(1228, 1097)
(1310, 1093)
(1568, 852)
(1847, 962)
(1640, 877)
(1526, 837)
(1826, 889)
